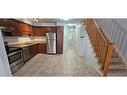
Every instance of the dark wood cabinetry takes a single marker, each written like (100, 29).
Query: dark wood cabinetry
(33, 50)
(3, 22)
(60, 31)
(42, 30)
(21, 28)
(8, 23)
(42, 47)
(37, 48)
(25, 29)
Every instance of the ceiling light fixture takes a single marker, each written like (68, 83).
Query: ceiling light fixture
(35, 19)
(65, 19)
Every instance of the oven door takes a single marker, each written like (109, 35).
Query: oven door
(15, 58)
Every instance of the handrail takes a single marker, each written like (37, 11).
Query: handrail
(102, 47)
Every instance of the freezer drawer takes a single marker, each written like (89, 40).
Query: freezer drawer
(51, 46)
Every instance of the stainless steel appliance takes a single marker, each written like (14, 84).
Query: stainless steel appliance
(26, 53)
(51, 42)
(15, 57)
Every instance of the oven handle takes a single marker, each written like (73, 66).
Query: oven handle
(19, 51)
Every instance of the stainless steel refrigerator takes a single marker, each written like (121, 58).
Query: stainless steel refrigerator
(51, 42)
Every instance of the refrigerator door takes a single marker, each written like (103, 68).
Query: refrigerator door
(51, 46)
(50, 35)
(51, 42)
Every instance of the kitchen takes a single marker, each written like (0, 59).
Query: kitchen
(23, 40)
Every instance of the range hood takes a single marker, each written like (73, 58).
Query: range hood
(7, 29)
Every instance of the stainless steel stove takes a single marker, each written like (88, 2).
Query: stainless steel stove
(15, 58)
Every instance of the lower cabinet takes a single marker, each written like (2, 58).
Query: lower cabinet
(33, 50)
(37, 48)
(42, 47)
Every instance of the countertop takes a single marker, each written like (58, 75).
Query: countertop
(21, 45)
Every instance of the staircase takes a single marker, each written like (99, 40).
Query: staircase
(110, 62)
(117, 66)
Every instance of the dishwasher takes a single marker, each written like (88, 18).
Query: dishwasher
(26, 53)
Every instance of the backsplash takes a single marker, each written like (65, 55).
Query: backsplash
(15, 40)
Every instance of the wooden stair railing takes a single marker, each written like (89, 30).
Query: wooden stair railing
(102, 47)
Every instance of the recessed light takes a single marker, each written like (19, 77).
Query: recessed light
(66, 19)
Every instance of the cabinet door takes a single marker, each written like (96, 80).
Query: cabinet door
(33, 30)
(60, 39)
(42, 47)
(32, 52)
(36, 49)
(30, 30)
(19, 29)
(3, 22)
(39, 31)
(51, 29)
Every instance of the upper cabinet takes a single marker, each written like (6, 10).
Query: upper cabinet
(3, 22)
(42, 30)
(26, 29)
(21, 28)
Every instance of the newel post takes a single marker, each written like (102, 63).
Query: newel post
(108, 58)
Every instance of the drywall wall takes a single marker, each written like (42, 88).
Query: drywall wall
(4, 64)
(122, 23)
(65, 44)
(116, 31)
(83, 45)
(80, 42)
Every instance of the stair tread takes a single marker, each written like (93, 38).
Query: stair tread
(117, 63)
(118, 66)
(117, 60)
(115, 55)
(117, 72)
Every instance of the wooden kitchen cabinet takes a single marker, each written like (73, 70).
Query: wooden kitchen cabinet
(38, 31)
(4, 22)
(42, 30)
(33, 50)
(21, 28)
(42, 47)
(11, 23)
(50, 29)
(60, 31)
(25, 29)
(37, 48)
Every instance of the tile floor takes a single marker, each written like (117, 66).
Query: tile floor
(67, 64)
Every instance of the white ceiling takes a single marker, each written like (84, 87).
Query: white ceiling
(55, 20)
